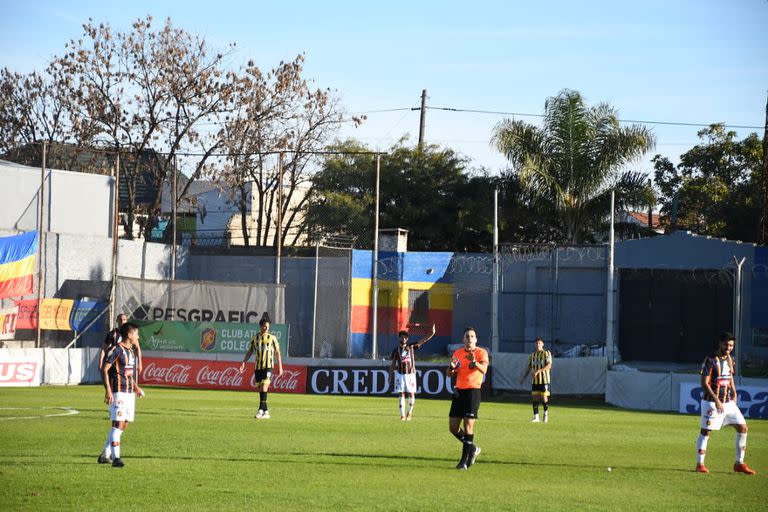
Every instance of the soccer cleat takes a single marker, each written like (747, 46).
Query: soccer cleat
(402, 418)
(461, 465)
(408, 417)
(701, 468)
(117, 463)
(265, 416)
(473, 458)
(259, 414)
(546, 418)
(535, 419)
(743, 468)
(104, 459)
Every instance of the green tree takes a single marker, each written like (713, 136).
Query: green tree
(715, 189)
(571, 164)
(428, 191)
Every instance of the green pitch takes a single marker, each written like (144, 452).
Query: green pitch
(203, 450)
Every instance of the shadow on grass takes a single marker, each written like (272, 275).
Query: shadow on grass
(349, 459)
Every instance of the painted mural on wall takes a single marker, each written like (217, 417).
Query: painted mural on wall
(415, 291)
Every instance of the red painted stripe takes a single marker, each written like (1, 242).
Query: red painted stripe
(396, 319)
(17, 287)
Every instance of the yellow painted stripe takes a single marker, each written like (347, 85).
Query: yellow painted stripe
(440, 296)
(15, 269)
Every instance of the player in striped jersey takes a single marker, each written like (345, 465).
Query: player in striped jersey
(119, 376)
(539, 363)
(266, 348)
(404, 368)
(718, 404)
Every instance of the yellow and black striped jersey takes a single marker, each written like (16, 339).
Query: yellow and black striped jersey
(264, 346)
(537, 361)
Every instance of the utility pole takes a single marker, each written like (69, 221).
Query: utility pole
(762, 239)
(422, 117)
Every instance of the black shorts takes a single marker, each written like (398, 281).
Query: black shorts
(465, 404)
(540, 388)
(260, 376)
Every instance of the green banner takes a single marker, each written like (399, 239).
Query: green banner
(203, 337)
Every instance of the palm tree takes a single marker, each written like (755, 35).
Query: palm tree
(575, 159)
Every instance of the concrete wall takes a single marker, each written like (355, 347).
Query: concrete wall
(76, 203)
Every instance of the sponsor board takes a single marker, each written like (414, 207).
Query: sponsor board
(752, 400)
(195, 373)
(20, 371)
(202, 337)
(431, 380)
(53, 314)
(8, 323)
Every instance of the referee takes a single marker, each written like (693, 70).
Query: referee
(539, 364)
(468, 365)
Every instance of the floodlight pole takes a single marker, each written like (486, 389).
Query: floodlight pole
(115, 215)
(610, 342)
(40, 243)
(375, 268)
(314, 298)
(495, 283)
(174, 199)
(737, 344)
(279, 234)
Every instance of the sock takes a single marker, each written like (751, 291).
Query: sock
(107, 444)
(535, 408)
(116, 434)
(402, 406)
(546, 407)
(263, 400)
(467, 447)
(741, 447)
(459, 435)
(410, 405)
(701, 446)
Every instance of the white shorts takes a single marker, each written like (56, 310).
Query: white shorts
(405, 383)
(713, 420)
(122, 407)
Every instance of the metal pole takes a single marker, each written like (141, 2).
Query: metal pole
(375, 276)
(422, 116)
(173, 198)
(737, 316)
(279, 233)
(495, 283)
(610, 342)
(115, 216)
(40, 243)
(314, 298)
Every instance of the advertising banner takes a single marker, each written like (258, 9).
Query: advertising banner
(205, 337)
(54, 314)
(199, 301)
(752, 400)
(360, 380)
(195, 373)
(84, 312)
(20, 370)
(8, 323)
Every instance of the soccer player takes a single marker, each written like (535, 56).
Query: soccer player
(404, 368)
(469, 365)
(119, 376)
(539, 362)
(718, 404)
(266, 348)
(111, 339)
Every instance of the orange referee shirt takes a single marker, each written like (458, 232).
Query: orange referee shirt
(466, 377)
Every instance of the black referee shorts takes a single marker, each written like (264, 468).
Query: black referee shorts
(465, 404)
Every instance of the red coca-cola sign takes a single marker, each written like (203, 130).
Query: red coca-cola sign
(195, 373)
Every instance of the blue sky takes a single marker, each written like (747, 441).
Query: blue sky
(677, 61)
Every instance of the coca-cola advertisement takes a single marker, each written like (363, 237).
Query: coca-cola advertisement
(196, 373)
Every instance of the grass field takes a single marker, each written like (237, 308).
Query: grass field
(203, 450)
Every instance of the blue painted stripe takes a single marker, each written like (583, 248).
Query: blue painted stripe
(18, 247)
(425, 267)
